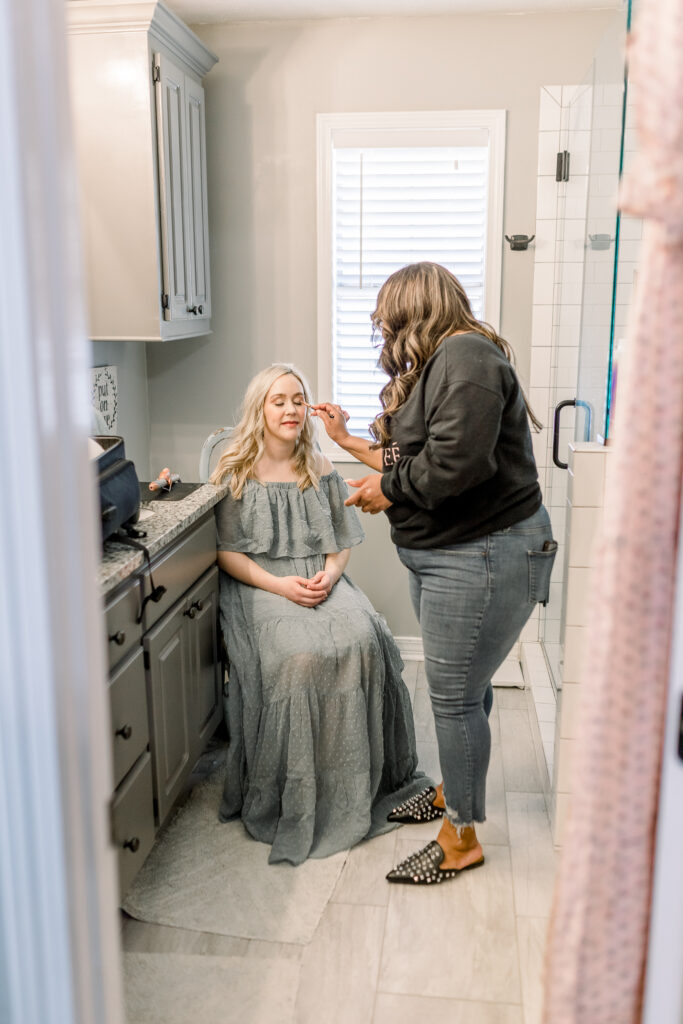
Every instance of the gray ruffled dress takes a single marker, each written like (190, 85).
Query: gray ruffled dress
(322, 741)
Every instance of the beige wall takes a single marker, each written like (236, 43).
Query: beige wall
(262, 98)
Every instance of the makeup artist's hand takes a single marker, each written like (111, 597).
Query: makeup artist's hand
(333, 418)
(369, 496)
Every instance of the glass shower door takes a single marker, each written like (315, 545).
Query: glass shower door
(585, 312)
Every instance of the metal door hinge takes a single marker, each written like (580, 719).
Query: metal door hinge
(156, 73)
(164, 301)
(562, 166)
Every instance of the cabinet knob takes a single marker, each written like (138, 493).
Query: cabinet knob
(190, 612)
(125, 732)
(192, 309)
(118, 638)
(199, 605)
(132, 844)
(200, 310)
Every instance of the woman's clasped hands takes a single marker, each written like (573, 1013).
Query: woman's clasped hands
(307, 593)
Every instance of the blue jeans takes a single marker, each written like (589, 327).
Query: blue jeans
(472, 600)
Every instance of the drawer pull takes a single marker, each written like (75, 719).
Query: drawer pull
(199, 605)
(132, 844)
(190, 612)
(118, 638)
(125, 732)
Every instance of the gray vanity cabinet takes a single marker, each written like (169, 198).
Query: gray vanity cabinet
(183, 686)
(167, 660)
(207, 688)
(132, 805)
(165, 687)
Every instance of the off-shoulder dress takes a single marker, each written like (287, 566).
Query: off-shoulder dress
(321, 734)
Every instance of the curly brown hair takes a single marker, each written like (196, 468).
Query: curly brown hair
(417, 308)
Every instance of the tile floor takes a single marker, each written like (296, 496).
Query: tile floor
(470, 950)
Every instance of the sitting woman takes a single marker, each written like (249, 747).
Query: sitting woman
(322, 742)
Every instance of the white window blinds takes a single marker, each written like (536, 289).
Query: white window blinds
(394, 206)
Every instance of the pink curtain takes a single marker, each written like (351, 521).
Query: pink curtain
(597, 943)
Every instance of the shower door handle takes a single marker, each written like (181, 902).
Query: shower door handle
(574, 402)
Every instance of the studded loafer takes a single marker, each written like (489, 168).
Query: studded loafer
(423, 868)
(417, 809)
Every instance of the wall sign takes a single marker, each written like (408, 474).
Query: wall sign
(105, 394)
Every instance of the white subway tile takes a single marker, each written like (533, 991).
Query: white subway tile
(572, 289)
(629, 249)
(544, 243)
(548, 147)
(549, 109)
(578, 144)
(631, 227)
(546, 198)
(529, 632)
(539, 375)
(544, 280)
(577, 197)
(541, 325)
(540, 445)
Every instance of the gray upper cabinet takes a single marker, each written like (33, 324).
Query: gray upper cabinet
(140, 131)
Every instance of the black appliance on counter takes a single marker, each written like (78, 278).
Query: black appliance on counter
(119, 486)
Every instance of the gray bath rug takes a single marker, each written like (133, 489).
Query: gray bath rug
(173, 988)
(212, 877)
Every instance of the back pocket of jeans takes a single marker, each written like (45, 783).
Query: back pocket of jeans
(540, 569)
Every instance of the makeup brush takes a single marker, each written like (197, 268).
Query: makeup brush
(330, 414)
(309, 406)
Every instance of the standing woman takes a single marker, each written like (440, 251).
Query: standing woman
(460, 488)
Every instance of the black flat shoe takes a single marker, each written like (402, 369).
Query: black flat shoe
(417, 809)
(422, 868)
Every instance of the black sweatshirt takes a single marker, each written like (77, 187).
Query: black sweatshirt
(460, 463)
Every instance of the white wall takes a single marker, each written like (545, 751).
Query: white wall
(262, 98)
(130, 360)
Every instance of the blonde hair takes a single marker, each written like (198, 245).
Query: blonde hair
(417, 308)
(246, 442)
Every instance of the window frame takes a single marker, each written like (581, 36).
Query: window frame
(330, 127)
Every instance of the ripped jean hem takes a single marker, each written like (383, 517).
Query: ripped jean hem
(457, 822)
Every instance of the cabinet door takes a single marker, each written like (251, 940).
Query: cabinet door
(173, 188)
(207, 704)
(198, 206)
(170, 701)
(133, 821)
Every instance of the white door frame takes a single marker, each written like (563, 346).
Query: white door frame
(663, 982)
(59, 942)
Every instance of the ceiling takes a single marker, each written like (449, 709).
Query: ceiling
(197, 12)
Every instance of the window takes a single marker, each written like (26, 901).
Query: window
(395, 189)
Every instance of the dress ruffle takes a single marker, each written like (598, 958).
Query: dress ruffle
(280, 521)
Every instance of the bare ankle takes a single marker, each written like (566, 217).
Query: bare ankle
(458, 837)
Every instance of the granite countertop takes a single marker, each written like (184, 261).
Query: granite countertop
(167, 520)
